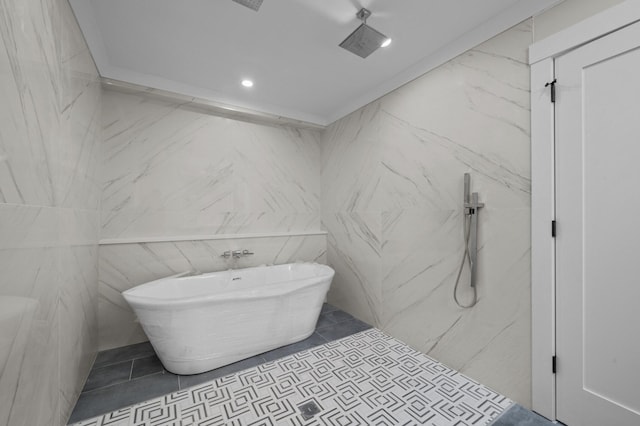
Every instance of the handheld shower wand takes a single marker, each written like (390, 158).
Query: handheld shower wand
(467, 189)
(471, 208)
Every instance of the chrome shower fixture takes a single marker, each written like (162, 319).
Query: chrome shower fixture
(251, 4)
(364, 40)
(471, 207)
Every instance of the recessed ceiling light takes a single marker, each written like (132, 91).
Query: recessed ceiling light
(247, 83)
(386, 43)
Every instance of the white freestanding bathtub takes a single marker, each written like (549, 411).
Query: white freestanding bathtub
(198, 323)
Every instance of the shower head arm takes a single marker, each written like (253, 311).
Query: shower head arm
(363, 14)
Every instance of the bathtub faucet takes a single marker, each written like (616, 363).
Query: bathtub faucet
(241, 253)
(237, 254)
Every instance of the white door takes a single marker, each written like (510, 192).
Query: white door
(598, 233)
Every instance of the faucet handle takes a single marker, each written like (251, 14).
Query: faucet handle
(226, 254)
(247, 253)
(236, 254)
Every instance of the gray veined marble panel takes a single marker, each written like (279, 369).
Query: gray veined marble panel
(485, 83)
(49, 197)
(423, 169)
(420, 254)
(354, 251)
(78, 227)
(78, 321)
(50, 110)
(77, 69)
(471, 114)
(29, 109)
(77, 191)
(32, 273)
(489, 342)
(77, 180)
(28, 226)
(351, 169)
(123, 266)
(38, 380)
(401, 160)
(173, 171)
(15, 328)
(30, 267)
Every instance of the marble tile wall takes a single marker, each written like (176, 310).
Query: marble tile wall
(392, 183)
(49, 211)
(173, 171)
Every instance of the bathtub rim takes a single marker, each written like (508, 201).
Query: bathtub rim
(280, 288)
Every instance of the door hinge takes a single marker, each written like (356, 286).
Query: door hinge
(552, 85)
(553, 228)
(553, 364)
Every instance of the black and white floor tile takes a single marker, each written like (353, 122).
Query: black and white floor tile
(368, 378)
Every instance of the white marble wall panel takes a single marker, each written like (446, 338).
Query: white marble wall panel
(351, 157)
(123, 266)
(29, 111)
(397, 166)
(78, 316)
(16, 319)
(48, 255)
(420, 306)
(173, 171)
(31, 273)
(49, 209)
(354, 250)
(417, 261)
(77, 180)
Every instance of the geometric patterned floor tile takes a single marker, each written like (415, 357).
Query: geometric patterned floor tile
(368, 378)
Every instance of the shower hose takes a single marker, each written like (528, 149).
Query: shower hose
(465, 257)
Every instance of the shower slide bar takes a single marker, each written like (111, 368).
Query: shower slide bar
(470, 231)
(471, 206)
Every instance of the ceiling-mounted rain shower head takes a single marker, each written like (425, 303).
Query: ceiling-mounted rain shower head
(251, 4)
(364, 40)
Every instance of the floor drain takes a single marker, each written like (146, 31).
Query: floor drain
(308, 410)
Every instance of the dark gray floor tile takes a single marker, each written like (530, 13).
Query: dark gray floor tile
(330, 318)
(310, 342)
(111, 398)
(327, 308)
(126, 353)
(517, 415)
(147, 383)
(342, 329)
(146, 366)
(196, 379)
(337, 316)
(107, 376)
(324, 321)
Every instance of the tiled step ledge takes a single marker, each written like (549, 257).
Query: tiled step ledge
(139, 240)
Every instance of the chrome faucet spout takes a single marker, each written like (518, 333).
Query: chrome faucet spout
(236, 254)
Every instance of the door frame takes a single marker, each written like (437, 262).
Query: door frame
(541, 59)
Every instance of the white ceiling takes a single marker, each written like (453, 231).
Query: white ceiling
(204, 48)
